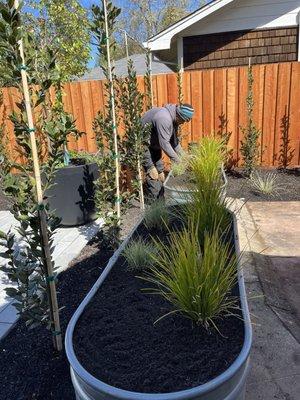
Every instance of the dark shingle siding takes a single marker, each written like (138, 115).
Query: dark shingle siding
(235, 48)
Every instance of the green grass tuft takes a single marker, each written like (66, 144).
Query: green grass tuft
(208, 206)
(197, 281)
(157, 215)
(138, 255)
(265, 184)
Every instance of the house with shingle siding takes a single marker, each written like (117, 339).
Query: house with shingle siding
(227, 33)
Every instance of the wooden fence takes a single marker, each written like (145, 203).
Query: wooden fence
(213, 93)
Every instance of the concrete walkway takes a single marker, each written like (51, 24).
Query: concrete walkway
(68, 244)
(270, 236)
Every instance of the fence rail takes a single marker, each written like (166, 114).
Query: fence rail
(215, 94)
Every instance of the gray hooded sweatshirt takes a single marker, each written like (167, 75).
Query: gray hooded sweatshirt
(164, 130)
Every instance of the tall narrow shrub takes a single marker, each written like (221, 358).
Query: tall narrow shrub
(250, 143)
(136, 135)
(108, 199)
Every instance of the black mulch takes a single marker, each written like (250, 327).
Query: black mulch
(117, 341)
(29, 367)
(4, 202)
(287, 186)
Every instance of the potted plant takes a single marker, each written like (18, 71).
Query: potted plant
(70, 193)
(192, 339)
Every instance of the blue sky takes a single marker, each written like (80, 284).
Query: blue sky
(123, 4)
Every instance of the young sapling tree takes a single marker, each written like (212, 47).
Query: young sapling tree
(250, 145)
(29, 266)
(102, 27)
(136, 135)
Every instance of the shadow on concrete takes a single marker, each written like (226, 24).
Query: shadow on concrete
(280, 280)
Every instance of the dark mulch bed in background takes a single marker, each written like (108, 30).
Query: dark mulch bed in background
(4, 202)
(116, 339)
(287, 183)
(29, 367)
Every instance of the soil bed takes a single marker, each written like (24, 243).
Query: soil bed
(287, 185)
(116, 339)
(29, 367)
(5, 204)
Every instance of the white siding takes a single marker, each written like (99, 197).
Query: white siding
(248, 14)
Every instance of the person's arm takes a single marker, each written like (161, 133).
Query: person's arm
(179, 150)
(164, 132)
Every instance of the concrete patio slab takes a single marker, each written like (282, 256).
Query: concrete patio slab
(275, 359)
(68, 241)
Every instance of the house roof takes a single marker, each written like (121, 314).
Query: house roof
(139, 61)
(162, 40)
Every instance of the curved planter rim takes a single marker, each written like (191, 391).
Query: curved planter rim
(187, 191)
(183, 394)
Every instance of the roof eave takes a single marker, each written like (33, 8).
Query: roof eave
(162, 41)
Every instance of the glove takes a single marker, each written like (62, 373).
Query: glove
(161, 177)
(153, 173)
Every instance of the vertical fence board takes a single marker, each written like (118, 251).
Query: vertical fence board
(207, 83)
(243, 114)
(294, 130)
(232, 108)
(172, 89)
(67, 100)
(187, 128)
(282, 109)
(88, 115)
(76, 95)
(271, 85)
(196, 100)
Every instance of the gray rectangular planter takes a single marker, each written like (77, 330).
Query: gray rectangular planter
(181, 195)
(230, 385)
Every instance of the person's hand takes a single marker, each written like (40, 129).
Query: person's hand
(162, 177)
(153, 173)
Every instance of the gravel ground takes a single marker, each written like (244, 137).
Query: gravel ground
(287, 186)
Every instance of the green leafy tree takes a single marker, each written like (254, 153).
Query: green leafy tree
(107, 137)
(143, 19)
(63, 27)
(250, 145)
(26, 266)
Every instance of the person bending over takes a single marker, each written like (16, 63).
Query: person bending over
(164, 123)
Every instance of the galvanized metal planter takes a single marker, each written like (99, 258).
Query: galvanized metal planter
(230, 385)
(181, 195)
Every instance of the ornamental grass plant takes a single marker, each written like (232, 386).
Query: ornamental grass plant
(157, 215)
(265, 183)
(208, 205)
(197, 280)
(138, 255)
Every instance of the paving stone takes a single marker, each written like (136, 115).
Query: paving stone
(9, 315)
(4, 329)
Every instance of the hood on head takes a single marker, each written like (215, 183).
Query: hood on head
(172, 110)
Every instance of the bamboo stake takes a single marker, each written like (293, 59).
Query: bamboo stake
(140, 177)
(54, 310)
(126, 45)
(151, 82)
(114, 120)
